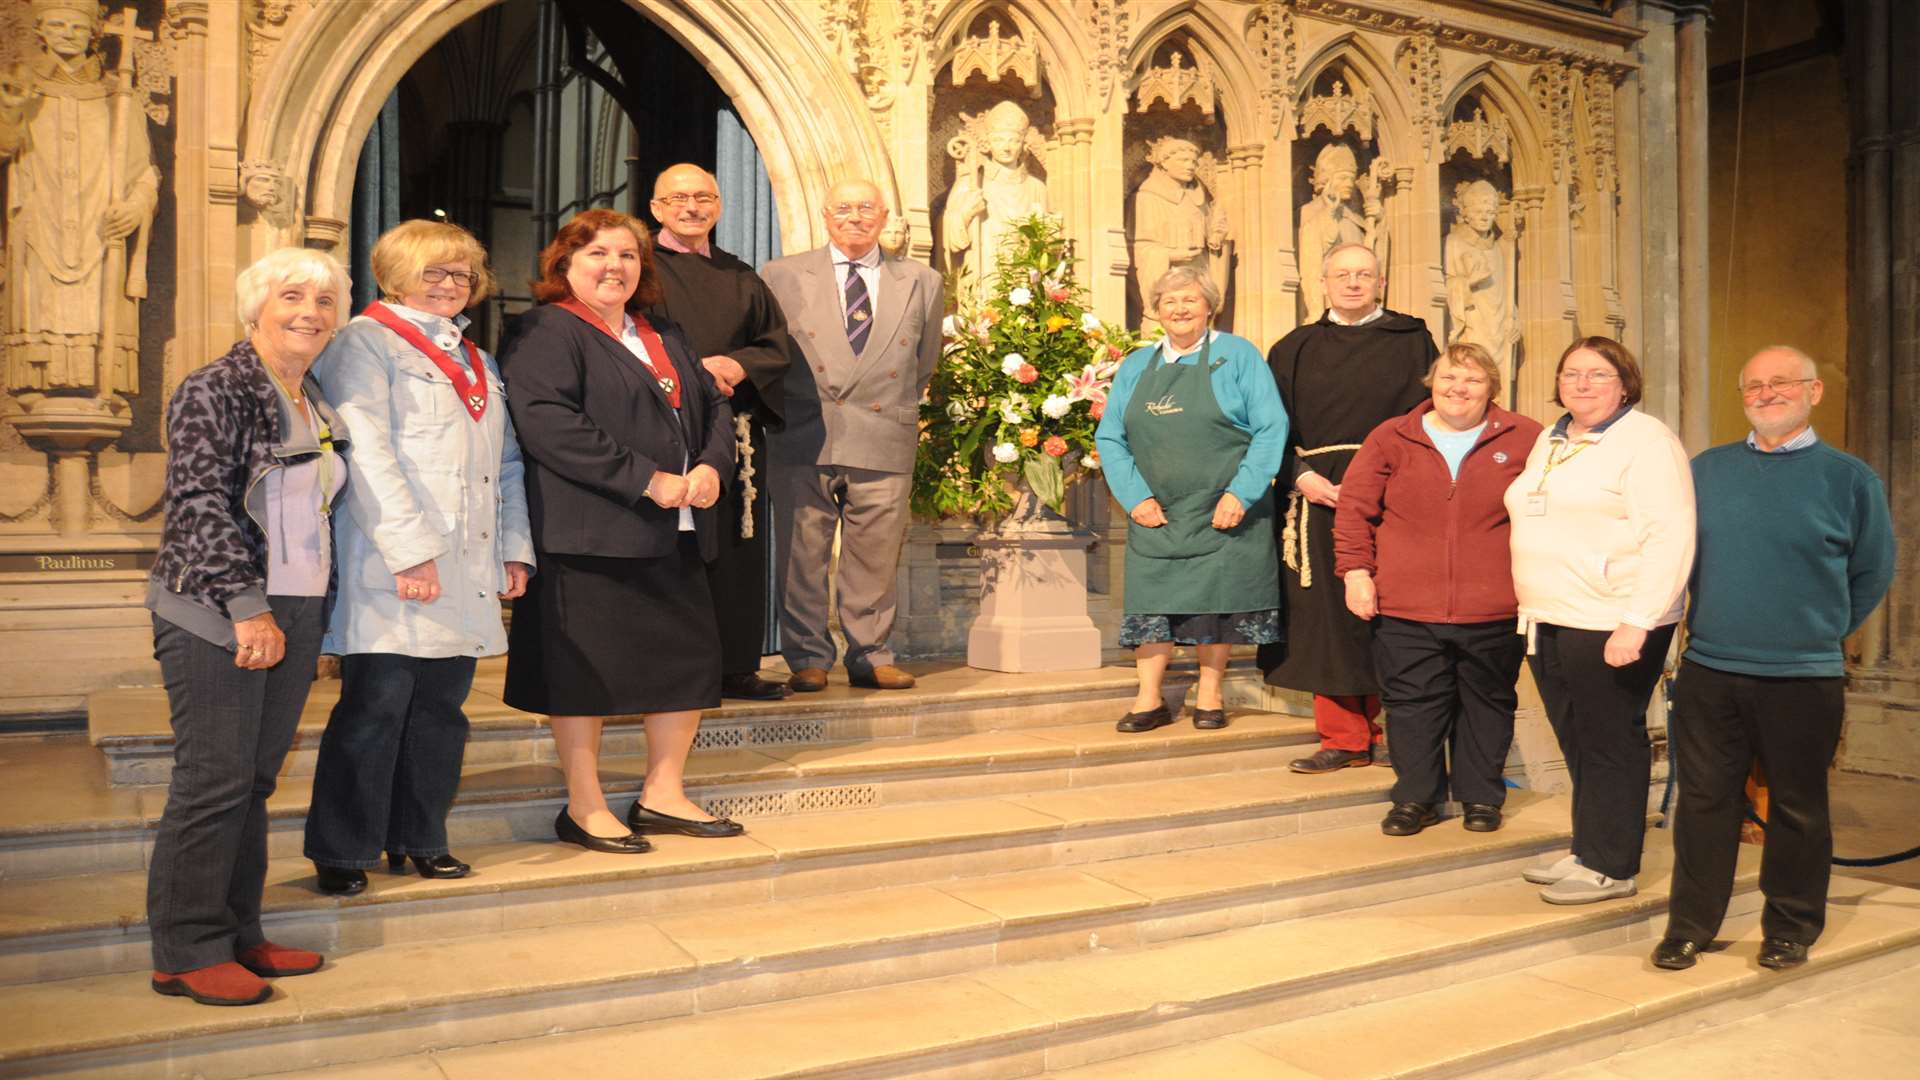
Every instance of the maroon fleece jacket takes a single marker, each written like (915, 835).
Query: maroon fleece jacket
(1437, 547)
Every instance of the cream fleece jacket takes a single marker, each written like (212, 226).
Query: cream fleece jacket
(1615, 543)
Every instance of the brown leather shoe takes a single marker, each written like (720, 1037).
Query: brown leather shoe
(809, 680)
(884, 677)
(220, 984)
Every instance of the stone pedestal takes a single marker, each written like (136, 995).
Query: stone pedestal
(71, 430)
(1033, 596)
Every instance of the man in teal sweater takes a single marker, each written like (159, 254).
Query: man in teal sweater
(1796, 550)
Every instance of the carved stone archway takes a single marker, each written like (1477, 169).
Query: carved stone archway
(309, 119)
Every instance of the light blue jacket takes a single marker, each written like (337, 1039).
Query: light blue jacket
(433, 484)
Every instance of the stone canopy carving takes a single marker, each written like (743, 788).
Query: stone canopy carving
(996, 57)
(992, 188)
(1480, 137)
(1479, 259)
(1338, 112)
(1175, 85)
(1176, 219)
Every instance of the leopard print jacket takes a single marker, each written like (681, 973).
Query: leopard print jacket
(224, 435)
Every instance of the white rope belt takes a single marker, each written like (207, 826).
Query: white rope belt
(743, 444)
(1293, 536)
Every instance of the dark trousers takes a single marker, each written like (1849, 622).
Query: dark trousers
(231, 731)
(1722, 721)
(1599, 714)
(1449, 693)
(739, 579)
(390, 759)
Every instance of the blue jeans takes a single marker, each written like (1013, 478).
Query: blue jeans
(231, 731)
(390, 759)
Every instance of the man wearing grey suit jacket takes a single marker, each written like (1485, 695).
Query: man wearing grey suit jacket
(868, 329)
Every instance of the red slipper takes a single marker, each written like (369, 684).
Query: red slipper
(268, 960)
(221, 984)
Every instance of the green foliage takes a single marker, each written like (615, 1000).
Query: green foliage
(1021, 386)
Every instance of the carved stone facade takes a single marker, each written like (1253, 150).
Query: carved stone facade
(271, 101)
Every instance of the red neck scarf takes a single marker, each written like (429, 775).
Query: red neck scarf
(472, 388)
(669, 385)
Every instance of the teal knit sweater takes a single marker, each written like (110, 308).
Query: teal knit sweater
(1796, 550)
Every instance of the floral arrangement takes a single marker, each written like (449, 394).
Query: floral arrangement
(1020, 387)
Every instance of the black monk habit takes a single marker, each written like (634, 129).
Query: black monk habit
(727, 310)
(1338, 383)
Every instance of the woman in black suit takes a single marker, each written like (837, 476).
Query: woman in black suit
(626, 438)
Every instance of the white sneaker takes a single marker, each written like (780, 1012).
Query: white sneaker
(1547, 875)
(1584, 886)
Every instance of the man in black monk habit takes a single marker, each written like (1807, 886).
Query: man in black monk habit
(1356, 367)
(741, 338)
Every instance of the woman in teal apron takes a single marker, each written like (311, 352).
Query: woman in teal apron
(1190, 442)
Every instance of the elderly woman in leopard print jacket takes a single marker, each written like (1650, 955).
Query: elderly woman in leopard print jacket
(239, 594)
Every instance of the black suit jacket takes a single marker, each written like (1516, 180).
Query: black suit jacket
(594, 427)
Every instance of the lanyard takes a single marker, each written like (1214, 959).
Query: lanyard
(472, 390)
(1554, 458)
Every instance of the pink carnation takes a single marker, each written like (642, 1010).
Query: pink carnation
(1098, 408)
(1055, 446)
(1057, 293)
(1027, 373)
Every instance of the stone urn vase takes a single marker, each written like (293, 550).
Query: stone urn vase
(1033, 594)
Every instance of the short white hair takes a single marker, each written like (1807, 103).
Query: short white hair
(290, 266)
(1806, 362)
(1185, 277)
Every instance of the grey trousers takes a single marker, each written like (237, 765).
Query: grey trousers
(231, 730)
(870, 509)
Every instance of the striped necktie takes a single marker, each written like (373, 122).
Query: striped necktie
(859, 310)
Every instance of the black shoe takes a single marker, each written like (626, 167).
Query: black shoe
(1135, 722)
(749, 686)
(337, 882)
(1675, 954)
(439, 866)
(1781, 954)
(1480, 817)
(1408, 818)
(642, 820)
(1331, 760)
(568, 830)
(1209, 719)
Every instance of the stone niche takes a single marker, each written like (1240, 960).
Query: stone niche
(1176, 145)
(1479, 246)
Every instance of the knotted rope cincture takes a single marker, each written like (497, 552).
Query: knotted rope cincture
(743, 444)
(1293, 535)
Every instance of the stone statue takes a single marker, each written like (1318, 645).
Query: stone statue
(1176, 220)
(1480, 281)
(1330, 218)
(81, 190)
(990, 191)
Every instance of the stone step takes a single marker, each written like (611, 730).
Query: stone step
(1019, 1019)
(130, 724)
(962, 950)
(1565, 1012)
(74, 925)
(498, 803)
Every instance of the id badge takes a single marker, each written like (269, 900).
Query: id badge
(1536, 504)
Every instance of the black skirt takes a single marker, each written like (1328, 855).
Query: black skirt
(597, 636)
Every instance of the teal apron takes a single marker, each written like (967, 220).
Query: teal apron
(1188, 452)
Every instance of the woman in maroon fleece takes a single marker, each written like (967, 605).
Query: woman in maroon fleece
(1420, 537)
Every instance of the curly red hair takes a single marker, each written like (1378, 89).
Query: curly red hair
(577, 233)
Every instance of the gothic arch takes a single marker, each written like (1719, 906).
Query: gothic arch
(340, 62)
(1224, 48)
(1059, 37)
(1395, 132)
(1498, 87)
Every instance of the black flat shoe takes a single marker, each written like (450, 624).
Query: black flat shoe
(642, 820)
(337, 882)
(439, 866)
(1675, 954)
(1408, 818)
(1480, 817)
(751, 687)
(1781, 954)
(1209, 719)
(569, 831)
(1135, 722)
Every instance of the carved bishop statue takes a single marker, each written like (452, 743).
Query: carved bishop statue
(81, 189)
(990, 192)
(1176, 220)
(1331, 217)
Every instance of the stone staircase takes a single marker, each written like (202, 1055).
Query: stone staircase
(976, 879)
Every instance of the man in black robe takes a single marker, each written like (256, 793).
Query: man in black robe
(741, 337)
(1356, 367)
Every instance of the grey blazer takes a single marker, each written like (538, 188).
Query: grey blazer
(861, 412)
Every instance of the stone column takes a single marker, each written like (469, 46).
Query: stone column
(1108, 261)
(1690, 105)
(1249, 244)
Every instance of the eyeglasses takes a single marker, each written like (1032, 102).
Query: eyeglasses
(1776, 386)
(844, 211)
(680, 199)
(1362, 276)
(434, 275)
(1591, 378)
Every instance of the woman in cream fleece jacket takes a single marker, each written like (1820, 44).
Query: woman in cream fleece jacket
(1603, 534)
